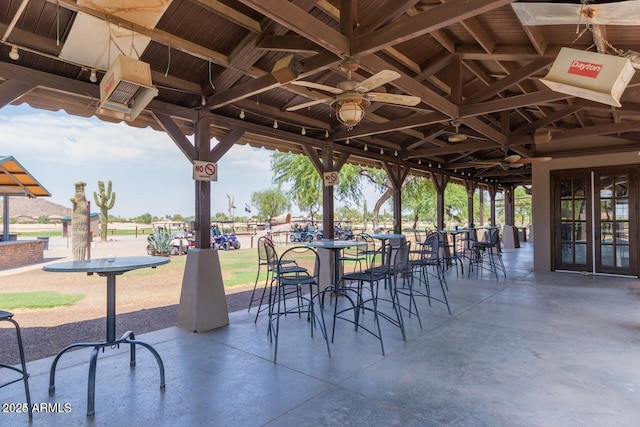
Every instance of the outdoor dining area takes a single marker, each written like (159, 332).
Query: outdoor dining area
(530, 349)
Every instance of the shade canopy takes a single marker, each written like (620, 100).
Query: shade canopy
(15, 180)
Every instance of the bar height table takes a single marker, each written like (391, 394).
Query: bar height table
(335, 246)
(109, 268)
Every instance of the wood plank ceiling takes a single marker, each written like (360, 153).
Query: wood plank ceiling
(472, 63)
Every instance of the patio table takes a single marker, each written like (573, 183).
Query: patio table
(335, 246)
(450, 252)
(109, 268)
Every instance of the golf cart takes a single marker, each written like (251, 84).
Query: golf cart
(341, 230)
(304, 232)
(164, 242)
(223, 240)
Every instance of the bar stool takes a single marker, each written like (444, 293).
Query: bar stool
(7, 316)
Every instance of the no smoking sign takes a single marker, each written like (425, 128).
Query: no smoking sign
(205, 171)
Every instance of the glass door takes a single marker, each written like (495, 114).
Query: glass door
(614, 248)
(595, 221)
(572, 223)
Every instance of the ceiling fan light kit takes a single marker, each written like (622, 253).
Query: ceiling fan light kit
(350, 113)
(595, 76)
(352, 97)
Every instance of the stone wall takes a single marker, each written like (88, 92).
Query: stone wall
(21, 252)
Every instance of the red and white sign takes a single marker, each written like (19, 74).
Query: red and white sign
(205, 171)
(590, 75)
(586, 69)
(331, 178)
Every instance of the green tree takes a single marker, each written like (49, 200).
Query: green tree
(419, 196)
(219, 216)
(143, 219)
(522, 206)
(270, 203)
(105, 201)
(43, 219)
(306, 182)
(455, 203)
(348, 213)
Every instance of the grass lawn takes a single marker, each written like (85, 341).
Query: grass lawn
(239, 267)
(42, 299)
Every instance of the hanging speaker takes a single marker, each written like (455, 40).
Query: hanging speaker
(590, 75)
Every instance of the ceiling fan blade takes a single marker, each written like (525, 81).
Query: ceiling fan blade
(309, 104)
(457, 137)
(378, 79)
(391, 98)
(516, 165)
(533, 160)
(512, 159)
(318, 86)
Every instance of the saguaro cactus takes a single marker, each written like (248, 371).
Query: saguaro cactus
(79, 223)
(104, 200)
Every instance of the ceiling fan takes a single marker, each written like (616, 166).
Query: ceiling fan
(456, 136)
(351, 97)
(512, 162)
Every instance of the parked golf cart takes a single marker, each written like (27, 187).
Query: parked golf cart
(224, 241)
(341, 230)
(305, 232)
(163, 242)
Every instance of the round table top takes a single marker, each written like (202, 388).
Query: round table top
(335, 244)
(107, 265)
(384, 236)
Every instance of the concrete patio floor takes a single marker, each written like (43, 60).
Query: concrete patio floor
(537, 349)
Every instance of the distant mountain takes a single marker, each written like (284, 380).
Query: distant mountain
(24, 206)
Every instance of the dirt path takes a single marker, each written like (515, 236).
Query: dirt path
(146, 300)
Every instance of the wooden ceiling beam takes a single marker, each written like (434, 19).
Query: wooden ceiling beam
(536, 38)
(374, 64)
(511, 103)
(423, 23)
(268, 82)
(506, 82)
(231, 14)
(549, 119)
(299, 21)
(288, 43)
(12, 90)
(276, 113)
(387, 13)
(452, 149)
(591, 131)
(395, 125)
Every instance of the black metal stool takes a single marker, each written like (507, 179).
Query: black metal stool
(6, 316)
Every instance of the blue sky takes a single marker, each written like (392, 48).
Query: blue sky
(148, 171)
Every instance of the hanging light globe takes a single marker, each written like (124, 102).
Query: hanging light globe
(350, 113)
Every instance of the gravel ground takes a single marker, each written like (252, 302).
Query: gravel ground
(145, 303)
